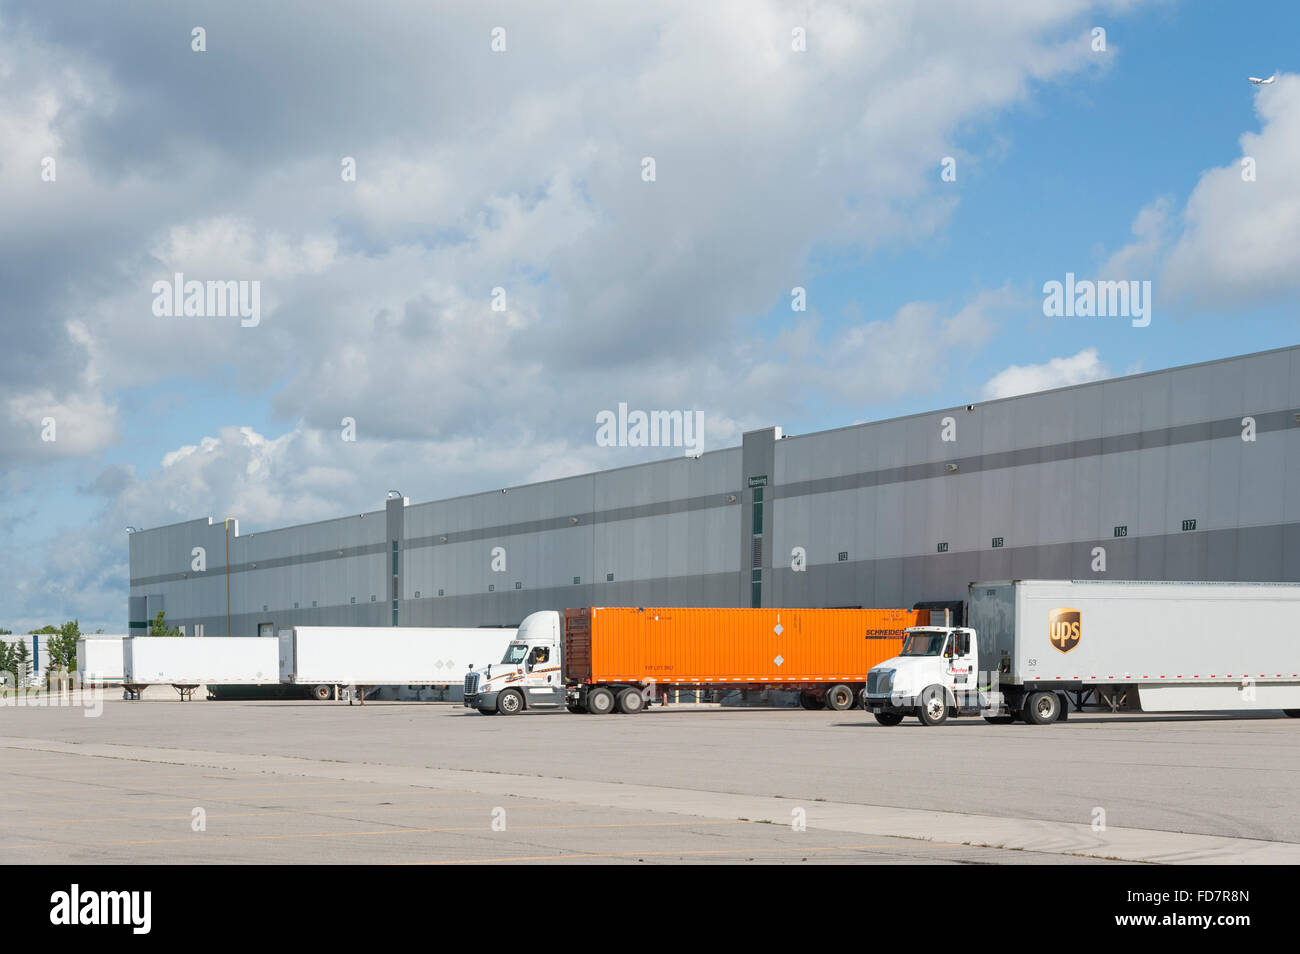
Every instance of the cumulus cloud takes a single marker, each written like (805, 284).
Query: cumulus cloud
(1236, 241)
(1056, 373)
(1241, 241)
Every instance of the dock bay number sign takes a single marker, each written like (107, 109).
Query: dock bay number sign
(1064, 628)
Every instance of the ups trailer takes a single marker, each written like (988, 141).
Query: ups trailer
(325, 660)
(187, 662)
(1126, 646)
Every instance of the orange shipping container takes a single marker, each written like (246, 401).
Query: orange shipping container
(774, 648)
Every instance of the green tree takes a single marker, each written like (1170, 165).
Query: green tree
(62, 647)
(159, 626)
(22, 665)
(8, 660)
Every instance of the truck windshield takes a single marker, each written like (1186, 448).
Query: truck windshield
(515, 654)
(924, 644)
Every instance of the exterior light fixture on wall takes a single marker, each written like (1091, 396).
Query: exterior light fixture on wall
(393, 494)
(731, 498)
(573, 520)
(442, 539)
(951, 468)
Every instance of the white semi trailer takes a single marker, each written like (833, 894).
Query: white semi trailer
(99, 660)
(1136, 646)
(187, 662)
(324, 658)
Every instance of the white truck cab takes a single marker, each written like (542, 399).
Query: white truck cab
(933, 677)
(529, 675)
(938, 675)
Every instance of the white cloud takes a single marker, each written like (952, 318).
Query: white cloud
(1236, 243)
(1056, 373)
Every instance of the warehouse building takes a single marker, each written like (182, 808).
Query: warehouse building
(1191, 473)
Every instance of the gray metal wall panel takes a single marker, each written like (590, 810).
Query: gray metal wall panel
(666, 533)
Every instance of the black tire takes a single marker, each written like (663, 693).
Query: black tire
(575, 709)
(809, 700)
(600, 701)
(510, 702)
(630, 701)
(1042, 708)
(322, 693)
(839, 698)
(487, 711)
(932, 707)
(889, 718)
(1293, 713)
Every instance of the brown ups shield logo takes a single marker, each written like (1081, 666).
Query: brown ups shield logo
(1064, 628)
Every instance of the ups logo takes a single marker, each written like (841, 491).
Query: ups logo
(1064, 628)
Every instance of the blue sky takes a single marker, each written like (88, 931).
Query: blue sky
(521, 170)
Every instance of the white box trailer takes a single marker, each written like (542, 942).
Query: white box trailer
(323, 657)
(1137, 646)
(99, 660)
(187, 662)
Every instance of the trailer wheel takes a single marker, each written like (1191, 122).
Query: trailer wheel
(889, 718)
(510, 702)
(1042, 708)
(321, 693)
(630, 701)
(933, 709)
(809, 700)
(839, 698)
(600, 701)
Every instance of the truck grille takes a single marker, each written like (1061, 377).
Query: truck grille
(879, 683)
(471, 682)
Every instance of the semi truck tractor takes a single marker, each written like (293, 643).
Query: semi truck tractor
(323, 658)
(1126, 646)
(187, 662)
(606, 659)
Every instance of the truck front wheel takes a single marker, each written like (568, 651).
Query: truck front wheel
(933, 708)
(600, 701)
(1042, 708)
(839, 698)
(510, 702)
(889, 718)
